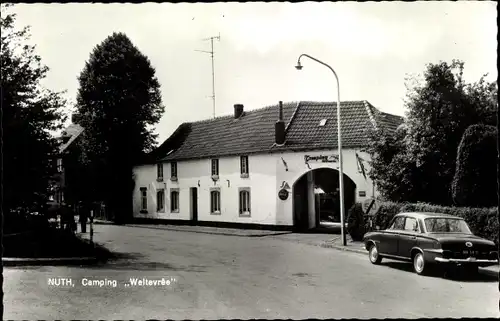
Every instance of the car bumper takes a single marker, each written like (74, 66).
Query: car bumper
(466, 261)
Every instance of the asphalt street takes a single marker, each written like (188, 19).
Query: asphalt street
(217, 276)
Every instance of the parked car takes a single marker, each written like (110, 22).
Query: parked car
(430, 239)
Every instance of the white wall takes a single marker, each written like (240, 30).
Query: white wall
(145, 176)
(297, 167)
(267, 173)
(197, 173)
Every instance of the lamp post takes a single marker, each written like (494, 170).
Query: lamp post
(341, 169)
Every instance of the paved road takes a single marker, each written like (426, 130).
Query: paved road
(217, 277)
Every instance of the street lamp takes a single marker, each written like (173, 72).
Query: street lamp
(341, 169)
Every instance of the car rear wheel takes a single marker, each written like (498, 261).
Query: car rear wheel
(419, 265)
(373, 254)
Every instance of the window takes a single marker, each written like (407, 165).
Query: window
(144, 199)
(159, 169)
(397, 224)
(173, 170)
(215, 202)
(160, 200)
(215, 167)
(174, 200)
(244, 166)
(59, 196)
(446, 225)
(59, 165)
(244, 202)
(411, 224)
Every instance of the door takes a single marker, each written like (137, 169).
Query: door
(389, 239)
(194, 204)
(408, 237)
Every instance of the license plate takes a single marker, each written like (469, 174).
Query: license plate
(470, 252)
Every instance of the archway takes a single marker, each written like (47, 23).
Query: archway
(316, 198)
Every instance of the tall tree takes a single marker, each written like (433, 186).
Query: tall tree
(29, 114)
(439, 110)
(473, 184)
(119, 101)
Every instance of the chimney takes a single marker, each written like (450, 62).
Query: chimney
(75, 118)
(280, 127)
(238, 111)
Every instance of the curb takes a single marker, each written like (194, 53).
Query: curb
(343, 248)
(191, 231)
(15, 261)
(203, 232)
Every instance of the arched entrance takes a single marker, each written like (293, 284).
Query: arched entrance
(316, 198)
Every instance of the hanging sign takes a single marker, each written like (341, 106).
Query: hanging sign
(321, 158)
(283, 194)
(285, 185)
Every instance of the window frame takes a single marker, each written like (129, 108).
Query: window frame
(158, 198)
(244, 168)
(214, 170)
(241, 199)
(159, 170)
(144, 199)
(213, 209)
(175, 209)
(394, 222)
(59, 165)
(173, 171)
(416, 230)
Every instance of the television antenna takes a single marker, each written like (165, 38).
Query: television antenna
(211, 52)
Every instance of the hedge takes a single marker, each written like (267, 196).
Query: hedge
(482, 221)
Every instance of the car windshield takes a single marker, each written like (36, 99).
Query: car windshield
(446, 225)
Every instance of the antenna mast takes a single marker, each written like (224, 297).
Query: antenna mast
(211, 52)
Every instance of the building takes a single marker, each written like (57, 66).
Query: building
(64, 162)
(261, 167)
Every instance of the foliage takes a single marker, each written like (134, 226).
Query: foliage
(417, 163)
(473, 184)
(355, 222)
(29, 114)
(118, 101)
(482, 221)
(384, 215)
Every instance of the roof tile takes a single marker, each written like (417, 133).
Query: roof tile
(253, 132)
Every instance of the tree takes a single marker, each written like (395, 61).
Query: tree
(474, 184)
(420, 164)
(29, 114)
(118, 100)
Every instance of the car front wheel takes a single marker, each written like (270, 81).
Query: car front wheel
(373, 254)
(419, 265)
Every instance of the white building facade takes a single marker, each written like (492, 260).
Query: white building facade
(273, 187)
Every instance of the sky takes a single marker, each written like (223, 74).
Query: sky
(371, 46)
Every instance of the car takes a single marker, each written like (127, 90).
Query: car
(430, 240)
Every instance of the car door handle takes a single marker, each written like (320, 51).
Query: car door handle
(413, 237)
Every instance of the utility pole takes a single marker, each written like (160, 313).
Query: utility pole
(211, 52)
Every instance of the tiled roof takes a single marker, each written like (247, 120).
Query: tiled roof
(254, 131)
(69, 135)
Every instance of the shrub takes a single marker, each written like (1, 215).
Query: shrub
(355, 222)
(383, 217)
(482, 221)
(474, 183)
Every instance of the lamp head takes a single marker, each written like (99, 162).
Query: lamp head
(299, 66)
